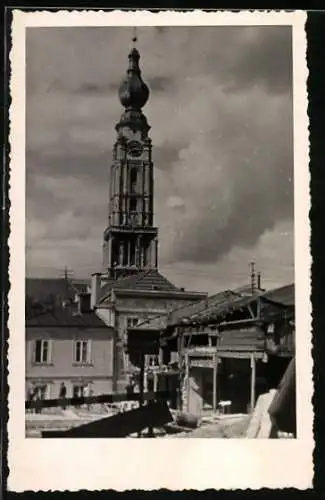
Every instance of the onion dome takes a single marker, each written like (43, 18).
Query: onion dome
(133, 92)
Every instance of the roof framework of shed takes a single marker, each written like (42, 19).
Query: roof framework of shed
(220, 306)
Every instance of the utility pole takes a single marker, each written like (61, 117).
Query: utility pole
(67, 276)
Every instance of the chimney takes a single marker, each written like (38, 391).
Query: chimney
(259, 281)
(95, 289)
(84, 303)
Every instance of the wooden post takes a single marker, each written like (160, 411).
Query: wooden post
(180, 366)
(187, 378)
(209, 339)
(141, 383)
(161, 357)
(253, 378)
(155, 381)
(215, 381)
(258, 315)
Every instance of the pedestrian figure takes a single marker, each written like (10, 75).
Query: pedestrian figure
(130, 387)
(38, 397)
(30, 396)
(89, 394)
(63, 394)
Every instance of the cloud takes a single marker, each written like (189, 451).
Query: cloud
(233, 270)
(94, 88)
(235, 178)
(159, 83)
(175, 202)
(263, 58)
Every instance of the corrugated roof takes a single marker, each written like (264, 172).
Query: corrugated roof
(60, 316)
(221, 304)
(234, 302)
(188, 310)
(192, 310)
(40, 289)
(247, 290)
(143, 280)
(223, 308)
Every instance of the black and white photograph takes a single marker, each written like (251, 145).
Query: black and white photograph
(159, 275)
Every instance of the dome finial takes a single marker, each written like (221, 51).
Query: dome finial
(133, 92)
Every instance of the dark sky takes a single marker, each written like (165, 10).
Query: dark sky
(221, 115)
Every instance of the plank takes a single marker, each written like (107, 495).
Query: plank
(155, 414)
(102, 398)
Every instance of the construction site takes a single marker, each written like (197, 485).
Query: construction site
(223, 367)
(271, 418)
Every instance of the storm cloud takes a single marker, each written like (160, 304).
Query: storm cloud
(221, 115)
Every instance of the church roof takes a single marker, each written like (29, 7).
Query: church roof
(143, 280)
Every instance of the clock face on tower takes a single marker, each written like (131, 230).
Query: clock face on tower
(134, 149)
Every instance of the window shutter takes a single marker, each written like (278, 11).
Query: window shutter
(32, 351)
(50, 351)
(76, 351)
(37, 355)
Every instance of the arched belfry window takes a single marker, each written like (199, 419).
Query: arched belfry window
(133, 205)
(133, 179)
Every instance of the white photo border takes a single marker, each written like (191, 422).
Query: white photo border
(175, 464)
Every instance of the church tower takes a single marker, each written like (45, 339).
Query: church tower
(130, 239)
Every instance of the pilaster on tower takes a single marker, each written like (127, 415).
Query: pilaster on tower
(130, 239)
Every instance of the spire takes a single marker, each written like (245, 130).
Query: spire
(133, 92)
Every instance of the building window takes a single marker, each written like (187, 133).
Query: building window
(81, 390)
(82, 351)
(42, 351)
(132, 322)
